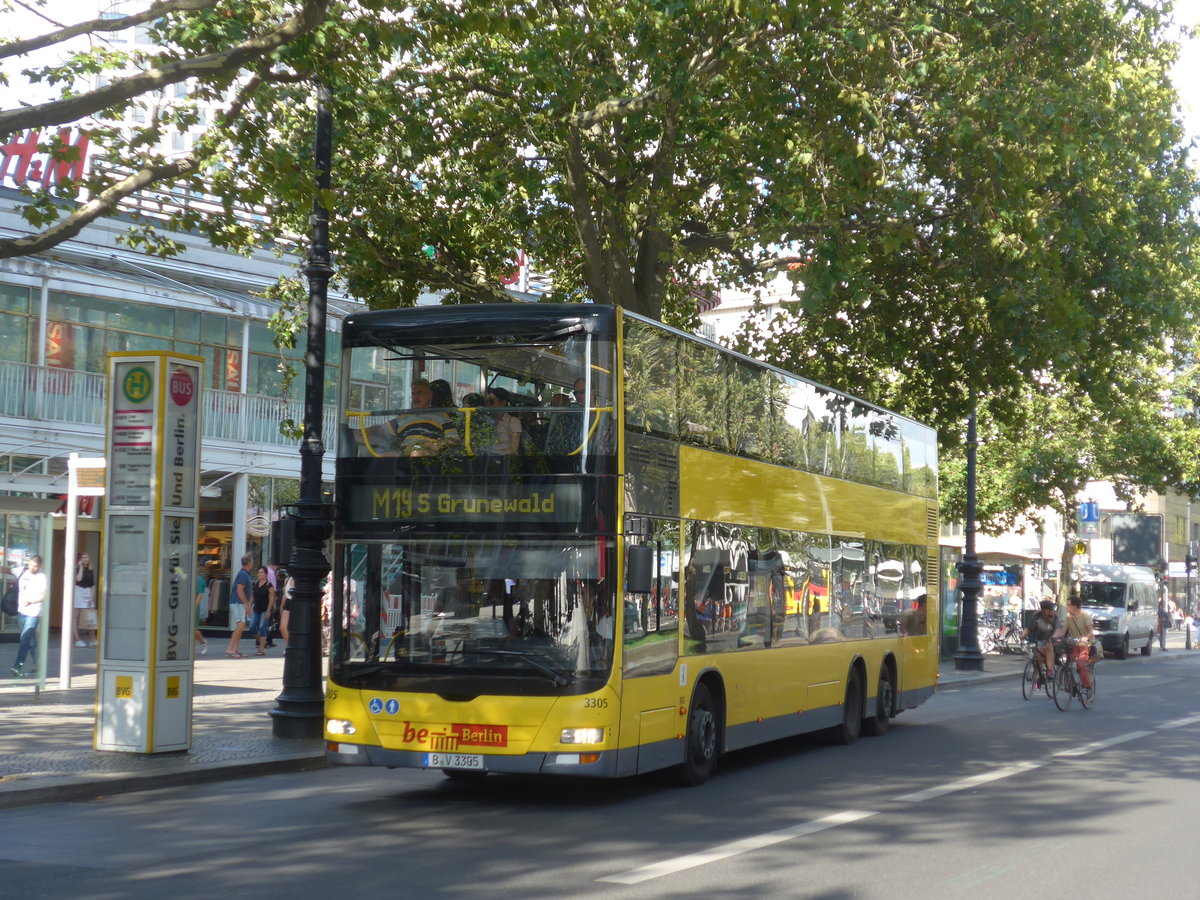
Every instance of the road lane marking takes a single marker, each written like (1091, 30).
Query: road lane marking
(1179, 723)
(758, 842)
(967, 783)
(1100, 745)
(735, 848)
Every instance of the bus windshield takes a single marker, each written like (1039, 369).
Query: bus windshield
(1101, 594)
(484, 608)
(536, 399)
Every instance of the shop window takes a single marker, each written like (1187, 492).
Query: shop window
(14, 338)
(14, 299)
(187, 325)
(213, 329)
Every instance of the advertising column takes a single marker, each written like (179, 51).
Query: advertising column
(144, 689)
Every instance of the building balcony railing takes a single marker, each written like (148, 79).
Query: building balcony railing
(64, 395)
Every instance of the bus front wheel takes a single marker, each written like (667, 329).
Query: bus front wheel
(700, 750)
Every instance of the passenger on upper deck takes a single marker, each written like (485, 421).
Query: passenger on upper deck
(422, 431)
(508, 426)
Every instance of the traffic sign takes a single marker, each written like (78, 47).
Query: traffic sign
(1089, 519)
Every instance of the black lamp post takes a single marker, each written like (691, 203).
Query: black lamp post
(300, 707)
(968, 657)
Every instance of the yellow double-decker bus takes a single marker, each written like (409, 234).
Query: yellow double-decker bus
(571, 540)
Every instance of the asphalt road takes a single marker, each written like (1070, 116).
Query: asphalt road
(978, 794)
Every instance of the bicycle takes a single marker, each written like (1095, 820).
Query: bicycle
(1067, 683)
(1034, 675)
(986, 633)
(1009, 640)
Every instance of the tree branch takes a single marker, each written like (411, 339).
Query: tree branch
(107, 200)
(574, 167)
(437, 274)
(707, 62)
(17, 48)
(210, 66)
(104, 202)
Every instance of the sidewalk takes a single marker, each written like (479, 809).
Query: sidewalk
(46, 750)
(999, 666)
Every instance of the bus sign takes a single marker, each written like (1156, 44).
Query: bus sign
(527, 503)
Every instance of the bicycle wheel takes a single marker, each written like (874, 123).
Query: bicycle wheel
(1087, 696)
(1064, 683)
(1029, 680)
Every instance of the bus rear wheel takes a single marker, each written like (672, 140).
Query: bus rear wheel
(885, 700)
(700, 748)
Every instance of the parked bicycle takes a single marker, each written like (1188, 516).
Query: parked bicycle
(1009, 639)
(1034, 678)
(1067, 683)
(987, 631)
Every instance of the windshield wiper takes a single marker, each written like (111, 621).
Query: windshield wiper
(560, 677)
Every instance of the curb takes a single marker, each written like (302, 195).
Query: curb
(14, 794)
(944, 684)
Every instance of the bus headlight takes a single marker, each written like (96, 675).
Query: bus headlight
(339, 726)
(582, 736)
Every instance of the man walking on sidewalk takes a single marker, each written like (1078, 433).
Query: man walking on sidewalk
(239, 606)
(31, 594)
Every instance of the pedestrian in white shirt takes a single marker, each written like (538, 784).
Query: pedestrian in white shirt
(32, 588)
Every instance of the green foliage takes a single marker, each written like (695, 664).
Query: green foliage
(990, 195)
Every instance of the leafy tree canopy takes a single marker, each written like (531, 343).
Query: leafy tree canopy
(963, 193)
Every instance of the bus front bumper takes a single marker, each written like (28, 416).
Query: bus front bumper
(554, 763)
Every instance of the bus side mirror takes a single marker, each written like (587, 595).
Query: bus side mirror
(639, 569)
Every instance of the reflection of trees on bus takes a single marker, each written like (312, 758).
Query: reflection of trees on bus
(762, 587)
(767, 415)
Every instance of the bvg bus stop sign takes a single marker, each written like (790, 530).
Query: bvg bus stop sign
(153, 435)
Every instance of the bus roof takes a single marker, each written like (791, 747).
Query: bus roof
(475, 320)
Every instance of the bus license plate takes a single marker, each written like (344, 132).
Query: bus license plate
(453, 761)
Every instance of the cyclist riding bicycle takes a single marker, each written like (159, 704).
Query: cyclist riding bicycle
(1079, 634)
(1041, 632)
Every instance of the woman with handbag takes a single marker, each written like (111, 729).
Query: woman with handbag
(263, 605)
(85, 603)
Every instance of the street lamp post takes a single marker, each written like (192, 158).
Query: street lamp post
(968, 657)
(299, 708)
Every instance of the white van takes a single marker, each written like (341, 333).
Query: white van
(1123, 604)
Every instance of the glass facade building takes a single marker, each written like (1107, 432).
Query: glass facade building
(62, 313)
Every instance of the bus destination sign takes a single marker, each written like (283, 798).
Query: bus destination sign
(515, 503)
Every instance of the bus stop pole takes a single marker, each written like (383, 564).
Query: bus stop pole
(300, 707)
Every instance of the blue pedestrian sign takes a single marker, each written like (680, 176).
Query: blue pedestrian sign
(1089, 519)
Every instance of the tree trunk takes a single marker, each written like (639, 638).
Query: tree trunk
(1066, 569)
